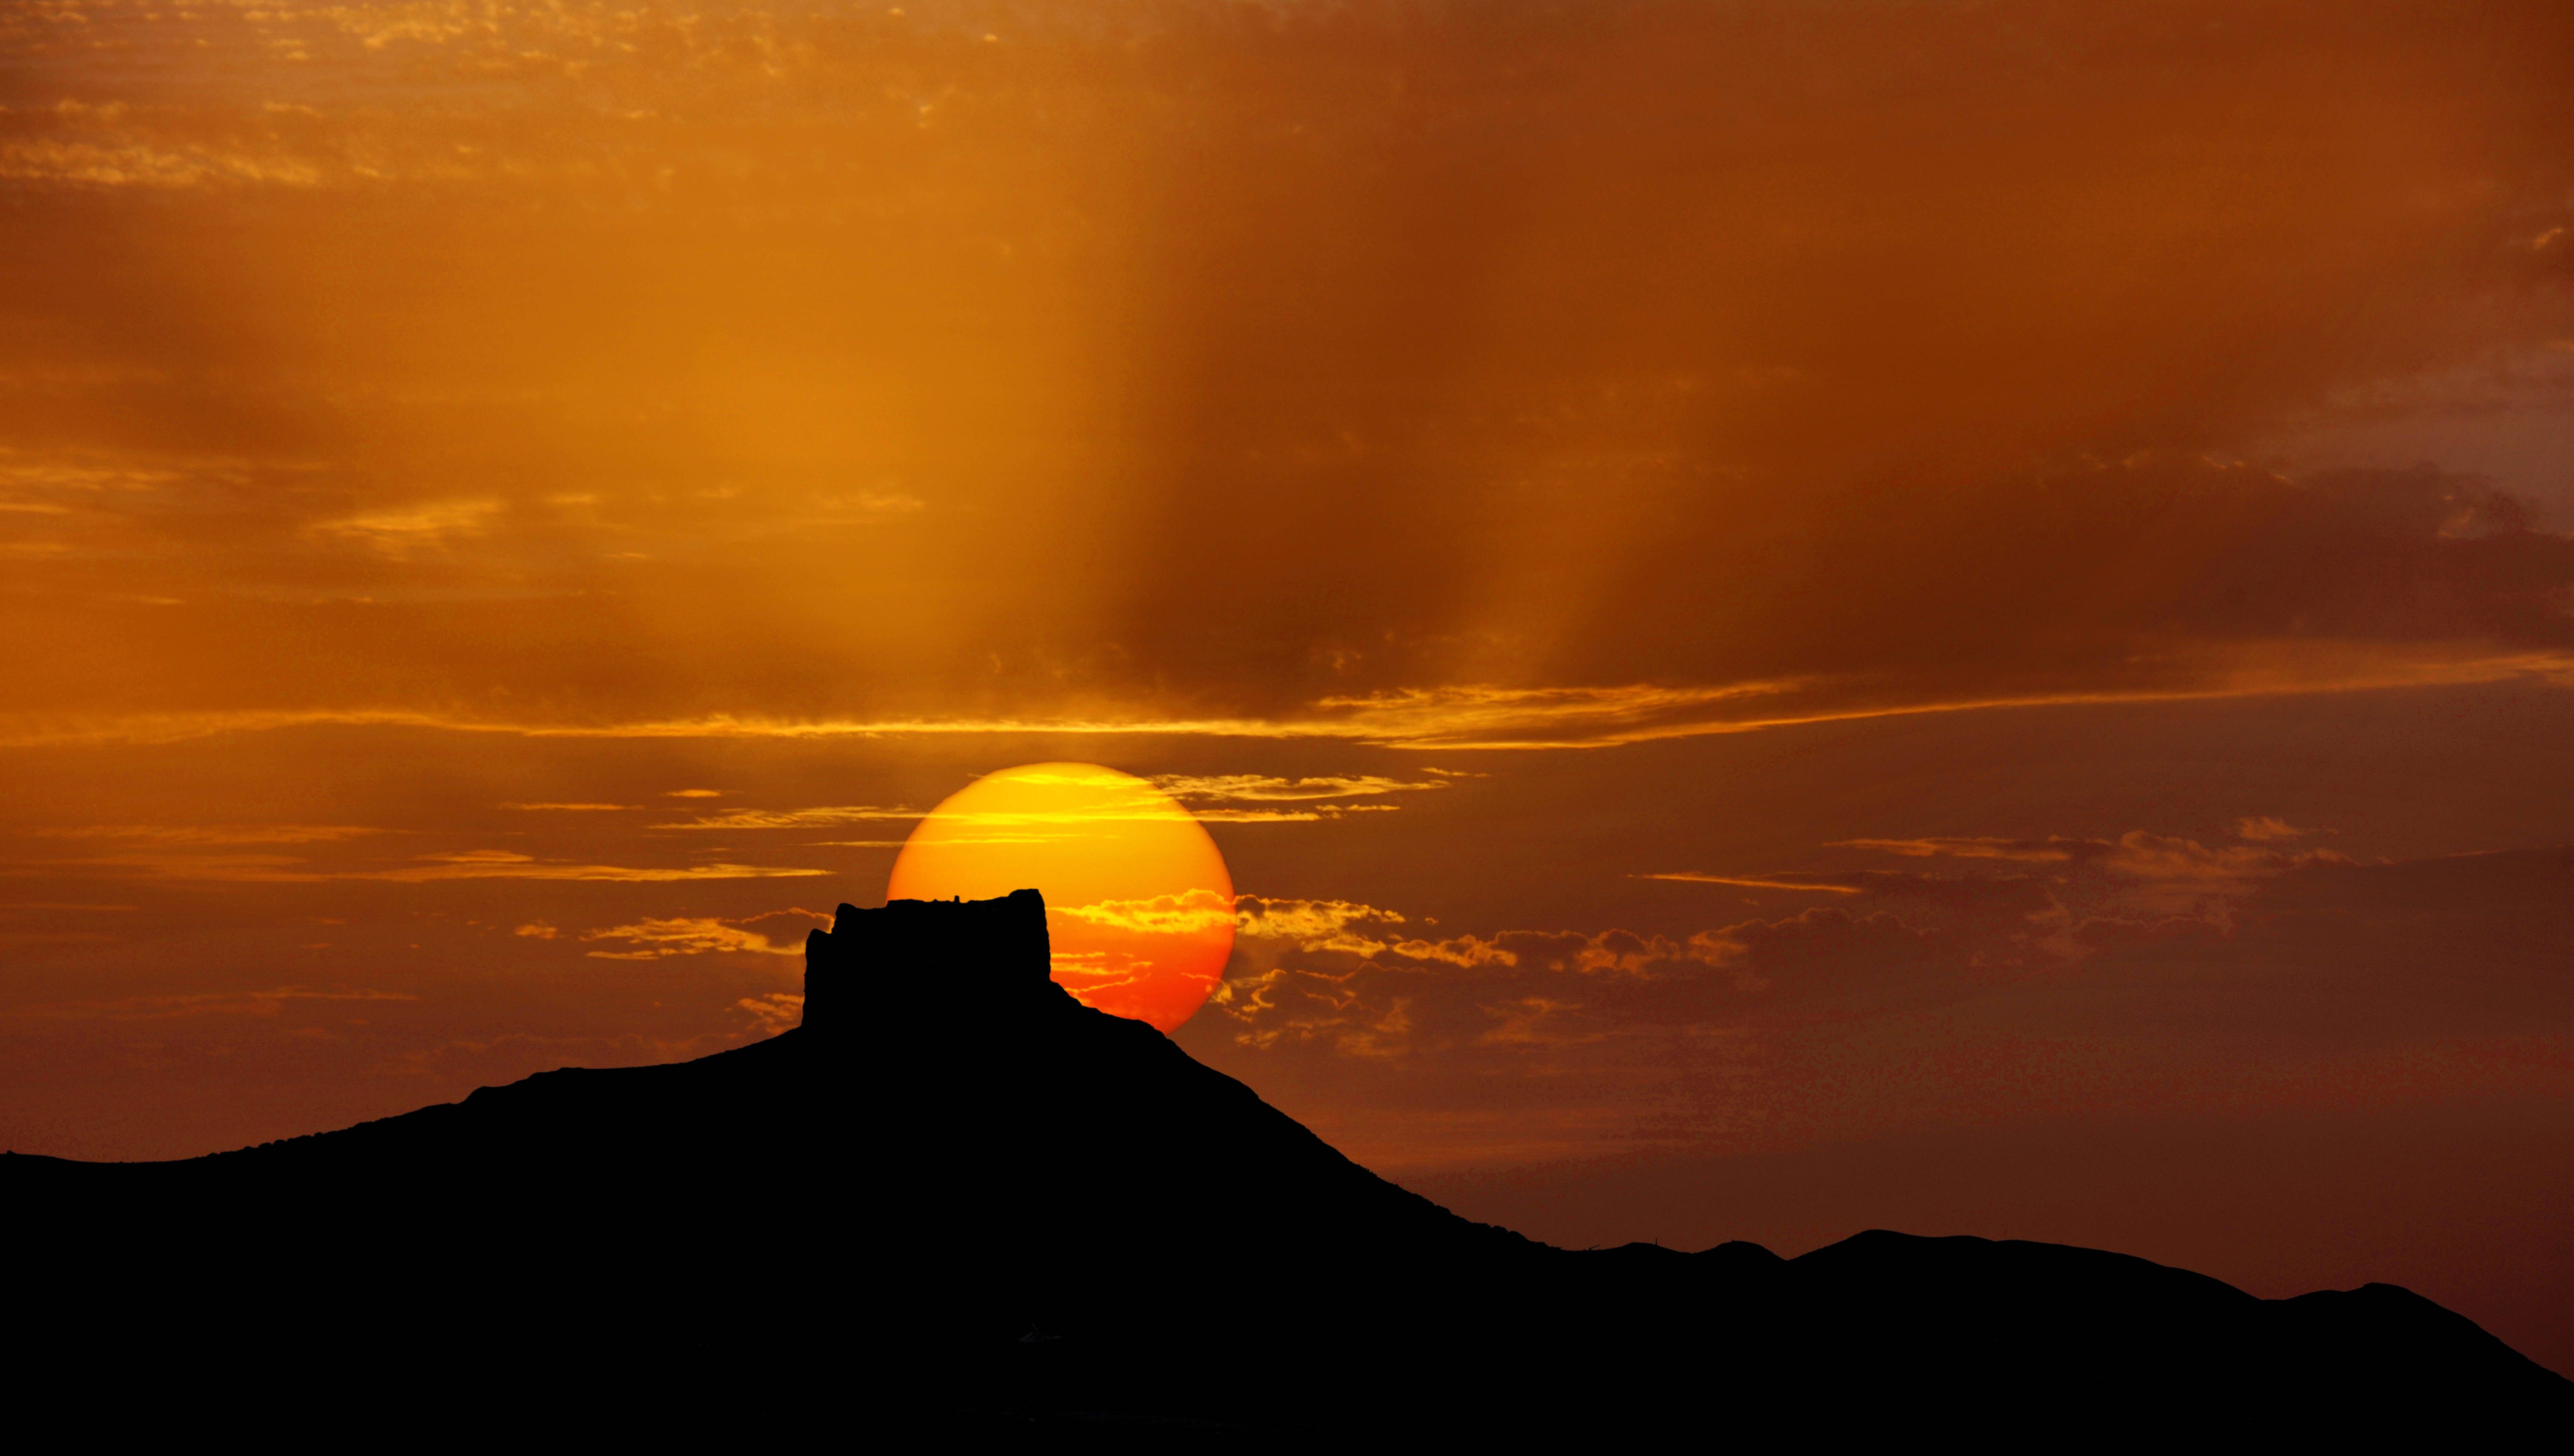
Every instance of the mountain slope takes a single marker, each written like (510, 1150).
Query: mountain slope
(988, 1205)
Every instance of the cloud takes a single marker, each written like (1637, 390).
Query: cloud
(2264, 829)
(1091, 971)
(794, 818)
(1018, 826)
(572, 808)
(399, 533)
(1373, 994)
(1263, 787)
(139, 165)
(1456, 951)
(775, 1012)
(1321, 974)
(462, 865)
(1412, 718)
(1775, 882)
(62, 905)
(1312, 925)
(689, 935)
(1588, 496)
(215, 834)
(2137, 854)
(2073, 889)
(1192, 911)
(2046, 852)
(1315, 815)
(508, 865)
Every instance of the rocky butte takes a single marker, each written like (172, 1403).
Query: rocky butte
(955, 1200)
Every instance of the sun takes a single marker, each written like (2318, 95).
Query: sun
(1138, 904)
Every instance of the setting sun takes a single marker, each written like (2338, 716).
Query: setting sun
(1138, 904)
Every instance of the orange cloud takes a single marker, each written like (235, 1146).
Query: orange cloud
(571, 808)
(688, 935)
(1756, 883)
(1191, 911)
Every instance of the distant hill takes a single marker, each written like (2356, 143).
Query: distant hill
(956, 1199)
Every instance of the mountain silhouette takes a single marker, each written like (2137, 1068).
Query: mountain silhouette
(1055, 1221)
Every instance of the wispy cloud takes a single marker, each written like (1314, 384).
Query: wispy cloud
(1315, 925)
(775, 1012)
(141, 165)
(1423, 718)
(1192, 911)
(1091, 971)
(2137, 854)
(571, 808)
(689, 936)
(257, 869)
(735, 819)
(510, 865)
(401, 531)
(214, 834)
(1314, 814)
(1749, 882)
(1006, 826)
(1263, 787)
(2032, 851)
(64, 905)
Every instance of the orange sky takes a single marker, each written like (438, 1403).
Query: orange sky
(1791, 615)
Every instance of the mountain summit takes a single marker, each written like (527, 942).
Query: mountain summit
(990, 1205)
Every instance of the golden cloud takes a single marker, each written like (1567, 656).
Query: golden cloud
(733, 819)
(1266, 787)
(775, 1012)
(571, 808)
(1312, 925)
(216, 834)
(1749, 882)
(1459, 951)
(1192, 911)
(502, 865)
(399, 532)
(1420, 718)
(688, 935)
(467, 865)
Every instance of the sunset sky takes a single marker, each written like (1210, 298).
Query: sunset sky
(1791, 616)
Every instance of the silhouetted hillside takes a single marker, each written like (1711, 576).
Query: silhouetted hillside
(1059, 1220)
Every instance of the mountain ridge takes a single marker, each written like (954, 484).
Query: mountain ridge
(1063, 1217)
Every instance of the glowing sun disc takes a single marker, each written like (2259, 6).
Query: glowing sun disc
(1138, 904)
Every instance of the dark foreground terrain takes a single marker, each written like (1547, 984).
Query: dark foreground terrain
(1065, 1228)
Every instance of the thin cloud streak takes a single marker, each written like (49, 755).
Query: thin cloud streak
(485, 864)
(571, 808)
(1484, 718)
(1751, 883)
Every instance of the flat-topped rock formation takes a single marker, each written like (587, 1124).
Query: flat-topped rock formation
(942, 958)
(958, 1197)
